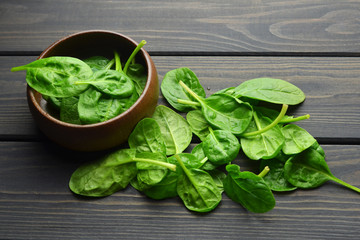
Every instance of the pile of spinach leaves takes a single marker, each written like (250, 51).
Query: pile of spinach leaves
(87, 91)
(227, 122)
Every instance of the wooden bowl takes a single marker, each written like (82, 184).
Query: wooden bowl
(104, 135)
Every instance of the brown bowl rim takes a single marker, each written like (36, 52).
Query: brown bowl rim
(31, 91)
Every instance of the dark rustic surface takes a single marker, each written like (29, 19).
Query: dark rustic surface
(313, 44)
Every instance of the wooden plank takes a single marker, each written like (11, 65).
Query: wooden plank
(35, 203)
(331, 85)
(319, 26)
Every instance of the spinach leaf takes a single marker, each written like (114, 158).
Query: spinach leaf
(147, 137)
(138, 75)
(55, 76)
(223, 111)
(97, 63)
(188, 159)
(53, 102)
(221, 147)
(69, 110)
(308, 169)
(197, 189)
(198, 151)
(275, 178)
(265, 145)
(111, 82)
(148, 173)
(270, 90)
(172, 91)
(167, 188)
(174, 128)
(108, 108)
(297, 139)
(199, 125)
(105, 176)
(218, 177)
(248, 189)
(88, 106)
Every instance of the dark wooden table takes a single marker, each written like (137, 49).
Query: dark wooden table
(313, 44)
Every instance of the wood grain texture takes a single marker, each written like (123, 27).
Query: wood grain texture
(331, 85)
(35, 203)
(319, 26)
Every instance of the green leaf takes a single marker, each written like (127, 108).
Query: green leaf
(111, 82)
(270, 90)
(148, 173)
(223, 111)
(275, 178)
(97, 63)
(172, 90)
(69, 110)
(138, 75)
(248, 189)
(198, 151)
(88, 106)
(297, 139)
(147, 137)
(221, 147)
(105, 176)
(265, 145)
(198, 190)
(174, 128)
(55, 76)
(199, 125)
(308, 169)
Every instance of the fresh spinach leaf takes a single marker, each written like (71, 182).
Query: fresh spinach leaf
(207, 165)
(97, 63)
(265, 145)
(105, 176)
(138, 75)
(297, 139)
(275, 177)
(167, 188)
(172, 91)
(69, 110)
(309, 169)
(147, 137)
(199, 125)
(270, 90)
(174, 128)
(88, 106)
(223, 111)
(111, 82)
(197, 189)
(221, 147)
(148, 173)
(218, 177)
(248, 189)
(55, 76)
(108, 108)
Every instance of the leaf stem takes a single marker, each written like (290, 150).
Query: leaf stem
(184, 168)
(345, 184)
(264, 171)
(133, 54)
(110, 64)
(304, 117)
(117, 62)
(170, 166)
(191, 92)
(188, 102)
(271, 125)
